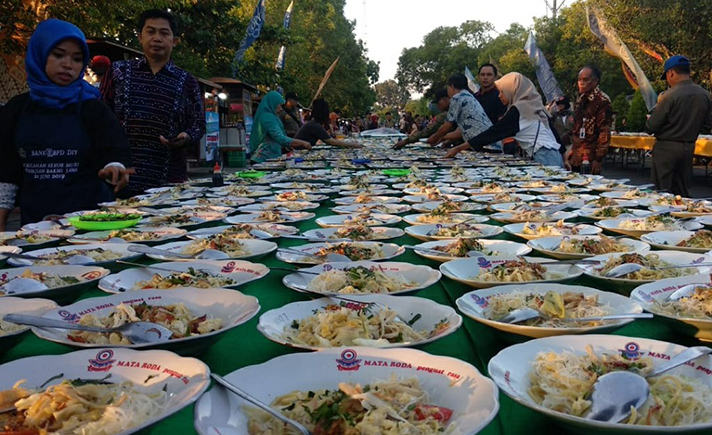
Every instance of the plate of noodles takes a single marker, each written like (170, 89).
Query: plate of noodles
(466, 230)
(10, 332)
(180, 274)
(102, 387)
(690, 315)
(356, 233)
(316, 253)
(100, 253)
(555, 301)
(537, 230)
(350, 220)
(452, 397)
(699, 241)
(637, 226)
(233, 247)
(372, 208)
(572, 247)
(363, 277)
(554, 376)
(196, 317)
(443, 218)
(650, 261)
(484, 272)
(458, 248)
(64, 283)
(371, 320)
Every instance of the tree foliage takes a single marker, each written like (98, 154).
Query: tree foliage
(211, 31)
(390, 93)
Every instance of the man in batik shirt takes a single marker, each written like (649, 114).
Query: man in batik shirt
(593, 117)
(158, 104)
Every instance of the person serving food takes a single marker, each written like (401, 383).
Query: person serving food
(58, 142)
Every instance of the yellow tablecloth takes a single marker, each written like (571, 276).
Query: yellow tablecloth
(703, 147)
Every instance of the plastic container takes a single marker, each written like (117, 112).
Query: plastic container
(237, 159)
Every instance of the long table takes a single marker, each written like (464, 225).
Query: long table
(641, 144)
(473, 342)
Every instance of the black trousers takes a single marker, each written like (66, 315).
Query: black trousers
(672, 166)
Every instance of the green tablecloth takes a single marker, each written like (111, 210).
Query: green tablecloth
(474, 342)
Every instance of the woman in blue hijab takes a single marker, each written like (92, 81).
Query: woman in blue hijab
(268, 138)
(58, 142)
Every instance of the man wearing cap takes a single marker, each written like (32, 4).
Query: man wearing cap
(682, 113)
(99, 65)
(289, 116)
(441, 102)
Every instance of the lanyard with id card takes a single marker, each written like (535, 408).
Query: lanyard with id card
(582, 131)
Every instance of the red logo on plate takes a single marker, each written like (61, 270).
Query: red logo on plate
(102, 362)
(229, 267)
(348, 361)
(94, 274)
(631, 351)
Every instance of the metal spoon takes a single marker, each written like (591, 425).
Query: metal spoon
(135, 332)
(625, 269)
(263, 406)
(329, 258)
(313, 239)
(74, 259)
(207, 254)
(427, 250)
(615, 393)
(23, 285)
(526, 313)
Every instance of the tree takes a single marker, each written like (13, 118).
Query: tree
(620, 107)
(418, 107)
(445, 51)
(390, 93)
(635, 120)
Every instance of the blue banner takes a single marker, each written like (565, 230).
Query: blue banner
(544, 75)
(282, 51)
(253, 32)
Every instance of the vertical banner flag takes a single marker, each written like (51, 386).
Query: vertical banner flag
(326, 78)
(282, 50)
(544, 75)
(253, 32)
(614, 46)
(471, 83)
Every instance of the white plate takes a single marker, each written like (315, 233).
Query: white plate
(241, 272)
(518, 230)
(680, 212)
(163, 233)
(450, 218)
(390, 251)
(421, 232)
(152, 371)
(673, 257)
(121, 249)
(309, 198)
(646, 294)
(634, 194)
(511, 370)
(253, 218)
(626, 203)
(152, 200)
(350, 200)
(449, 383)
(466, 270)
(231, 306)
(255, 249)
(612, 225)
(429, 317)
(426, 190)
(491, 198)
(705, 220)
(475, 304)
(367, 208)
(69, 292)
(504, 207)
(12, 305)
(511, 218)
(424, 198)
(276, 230)
(240, 191)
(196, 218)
(546, 245)
(498, 247)
(381, 233)
(232, 201)
(9, 250)
(422, 276)
(277, 205)
(50, 236)
(670, 239)
(588, 213)
(343, 220)
(575, 199)
(427, 207)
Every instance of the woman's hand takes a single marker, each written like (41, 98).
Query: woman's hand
(116, 176)
(455, 151)
(567, 159)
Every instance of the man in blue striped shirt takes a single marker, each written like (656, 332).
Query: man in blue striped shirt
(158, 104)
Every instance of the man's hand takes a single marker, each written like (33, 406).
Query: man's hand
(455, 151)
(568, 155)
(595, 167)
(299, 144)
(400, 144)
(116, 176)
(434, 139)
(177, 142)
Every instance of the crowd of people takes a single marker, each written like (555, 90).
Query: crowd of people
(68, 145)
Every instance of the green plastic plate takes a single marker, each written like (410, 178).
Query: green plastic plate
(104, 225)
(396, 172)
(250, 174)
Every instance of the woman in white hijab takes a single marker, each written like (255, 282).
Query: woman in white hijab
(525, 120)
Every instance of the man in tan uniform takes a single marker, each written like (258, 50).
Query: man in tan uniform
(682, 113)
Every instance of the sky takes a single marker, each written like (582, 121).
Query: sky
(389, 26)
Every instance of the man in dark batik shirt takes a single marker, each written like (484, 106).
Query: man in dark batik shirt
(158, 104)
(593, 117)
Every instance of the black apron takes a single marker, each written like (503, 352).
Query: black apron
(60, 169)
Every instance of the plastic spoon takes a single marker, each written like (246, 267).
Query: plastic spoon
(207, 254)
(329, 258)
(135, 332)
(615, 393)
(74, 259)
(625, 269)
(684, 292)
(23, 285)
(526, 313)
